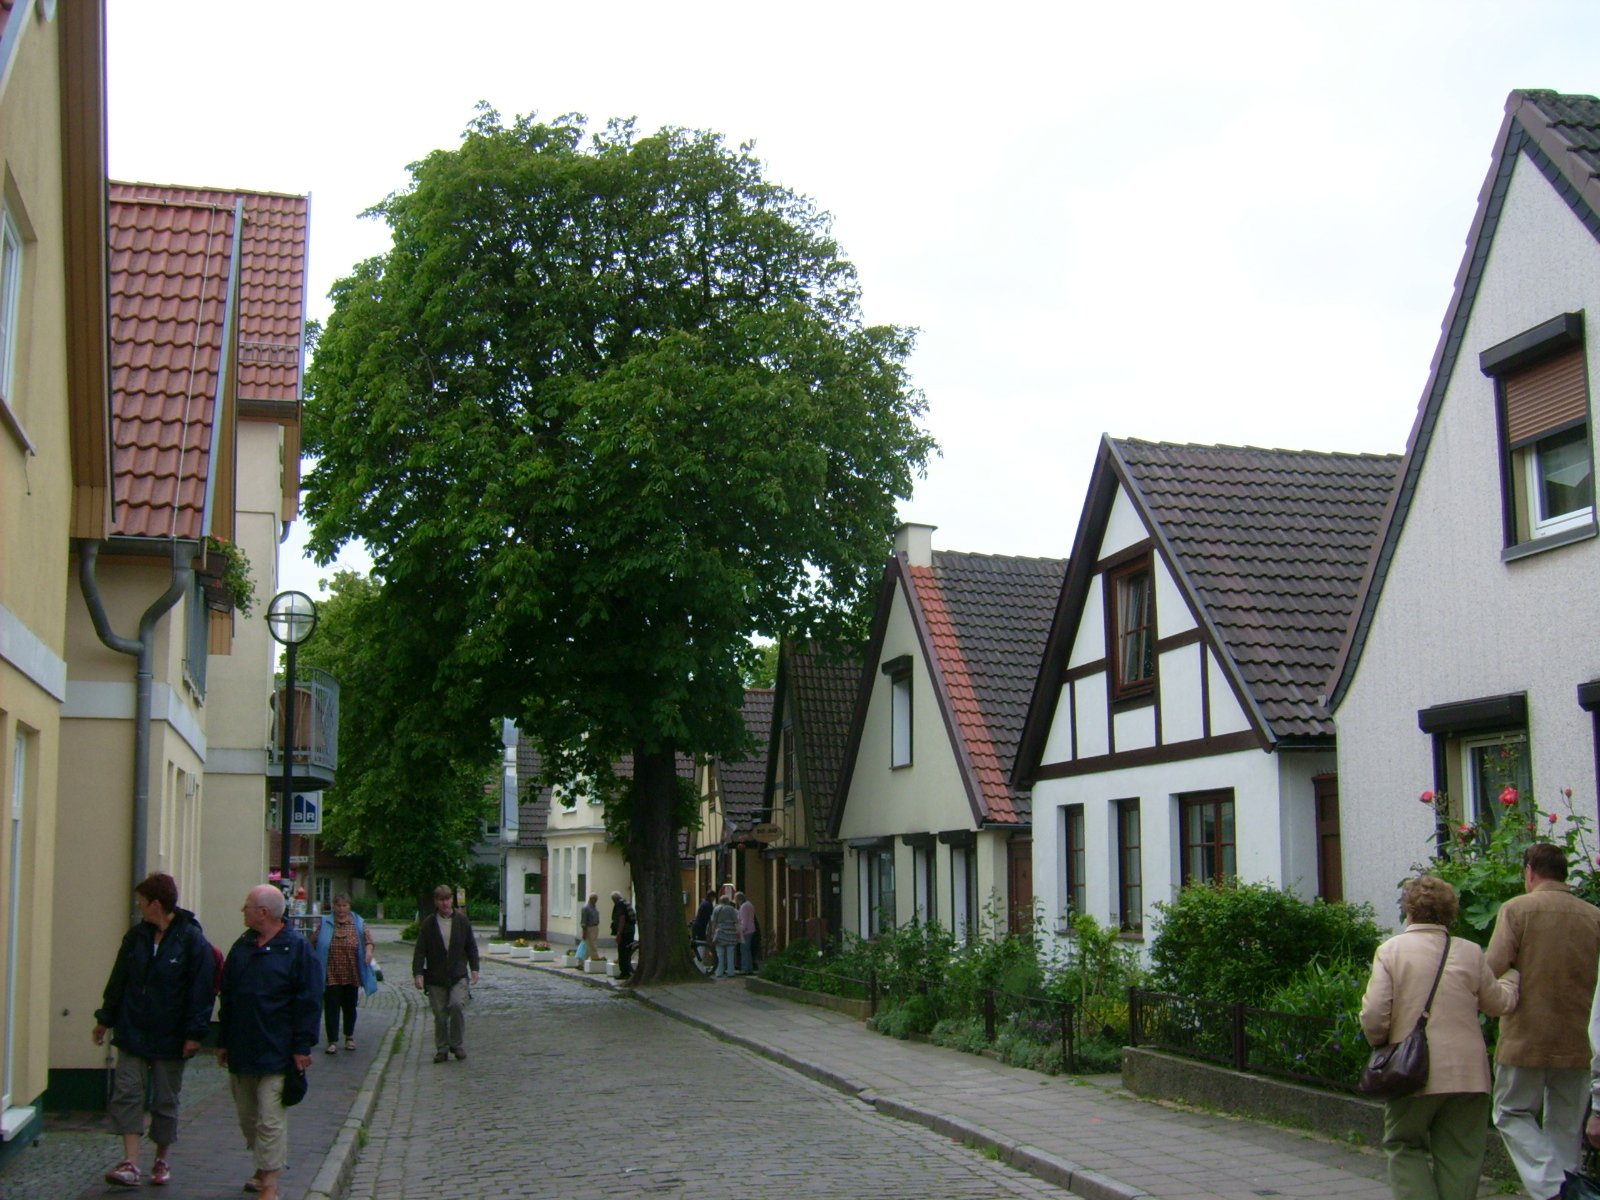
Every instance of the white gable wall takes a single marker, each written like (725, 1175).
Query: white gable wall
(1258, 819)
(1454, 622)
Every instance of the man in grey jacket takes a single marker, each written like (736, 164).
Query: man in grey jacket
(446, 956)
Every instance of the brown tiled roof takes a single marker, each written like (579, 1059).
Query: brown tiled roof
(1560, 135)
(170, 252)
(986, 618)
(1273, 545)
(821, 686)
(743, 798)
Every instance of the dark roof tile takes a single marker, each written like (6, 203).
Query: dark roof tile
(1275, 545)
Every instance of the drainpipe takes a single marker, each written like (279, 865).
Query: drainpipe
(143, 650)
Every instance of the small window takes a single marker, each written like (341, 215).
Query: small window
(922, 881)
(532, 885)
(899, 672)
(1133, 628)
(1490, 763)
(790, 783)
(1209, 851)
(964, 891)
(1542, 386)
(11, 252)
(1072, 860)
(1130, 871)
(877, 890)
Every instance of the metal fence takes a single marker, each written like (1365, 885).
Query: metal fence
(1305, 1049)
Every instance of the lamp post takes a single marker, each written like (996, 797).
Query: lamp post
(291, 619)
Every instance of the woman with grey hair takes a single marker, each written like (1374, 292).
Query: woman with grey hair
(1435, 1138)
(724, 935)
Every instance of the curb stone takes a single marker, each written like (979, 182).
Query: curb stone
(333, 1180)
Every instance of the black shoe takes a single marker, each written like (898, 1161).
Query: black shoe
(459, 1051)
(441, 1057)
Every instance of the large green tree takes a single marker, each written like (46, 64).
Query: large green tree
(605, 411)
(409, 795)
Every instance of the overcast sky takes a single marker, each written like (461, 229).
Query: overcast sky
(1233, 223)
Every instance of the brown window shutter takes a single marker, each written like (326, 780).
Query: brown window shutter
(1546, 396)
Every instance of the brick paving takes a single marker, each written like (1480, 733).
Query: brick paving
(575, 1088)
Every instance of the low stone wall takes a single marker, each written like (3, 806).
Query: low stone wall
(1340, 1115)
(859, 1009)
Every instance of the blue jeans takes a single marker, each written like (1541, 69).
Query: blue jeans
(747, 953)
(725, 958)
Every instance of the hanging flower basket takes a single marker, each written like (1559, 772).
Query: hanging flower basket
(225, 577)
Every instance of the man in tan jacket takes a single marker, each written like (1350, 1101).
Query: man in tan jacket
(1542, 1062)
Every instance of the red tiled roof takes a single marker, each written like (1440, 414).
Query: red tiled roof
(171, 254)
(743, 798)
(169, 268)
(986, 617)
(272, 280)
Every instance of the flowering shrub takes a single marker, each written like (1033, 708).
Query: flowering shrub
(1484, 861)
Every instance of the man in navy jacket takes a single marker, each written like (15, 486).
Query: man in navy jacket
(271, 1000)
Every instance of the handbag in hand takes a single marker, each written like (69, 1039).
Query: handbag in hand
(294, 1087)
(1401, 1068)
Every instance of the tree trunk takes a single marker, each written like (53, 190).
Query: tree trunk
(657, 885)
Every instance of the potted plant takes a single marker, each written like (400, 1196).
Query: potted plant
(541, 952)
(225, 577)
(570, 958)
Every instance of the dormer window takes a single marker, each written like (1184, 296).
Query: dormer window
(899, 672)
(1131, 589)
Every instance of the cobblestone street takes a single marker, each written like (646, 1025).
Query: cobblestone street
(576, 1091)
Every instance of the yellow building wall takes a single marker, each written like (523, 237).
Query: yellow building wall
(35, 511)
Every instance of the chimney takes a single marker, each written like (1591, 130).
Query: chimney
(916, 543)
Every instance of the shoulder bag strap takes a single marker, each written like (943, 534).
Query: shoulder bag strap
(1443, 958)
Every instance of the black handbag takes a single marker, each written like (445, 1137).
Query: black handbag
(294, 1087)
(1401, 1068)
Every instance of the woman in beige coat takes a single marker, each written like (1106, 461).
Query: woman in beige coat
(1435, 1138)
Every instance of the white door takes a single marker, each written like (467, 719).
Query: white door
(530, 914)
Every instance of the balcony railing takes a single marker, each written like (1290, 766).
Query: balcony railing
(316, 729)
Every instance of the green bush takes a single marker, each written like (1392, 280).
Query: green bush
(916, 1015)
(960, 1033)
(1330, 989)
(409, 933)
(1239, 942)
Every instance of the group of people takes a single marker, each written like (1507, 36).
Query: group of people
(268, 992)
(1538, 976)
(725, 924)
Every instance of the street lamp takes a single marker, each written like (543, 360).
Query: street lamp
(291, 619)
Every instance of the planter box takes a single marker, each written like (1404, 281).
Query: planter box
(499, 947)
(613, 970)
(569, 960)
(519, 952)
(594, 966)
(542, 955)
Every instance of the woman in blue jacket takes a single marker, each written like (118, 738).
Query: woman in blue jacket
(344, 948)
(157, 1008)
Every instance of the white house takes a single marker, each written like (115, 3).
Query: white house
(932, 828)
(1177, 733)
(1473, 660)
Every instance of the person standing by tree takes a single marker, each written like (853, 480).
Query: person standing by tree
(1542, 1060)
(445, 958)
(271, 997)
(157, 1008)
(625, 927)
(589, 922)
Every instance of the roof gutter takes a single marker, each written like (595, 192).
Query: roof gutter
(141, 649)
(219, 427)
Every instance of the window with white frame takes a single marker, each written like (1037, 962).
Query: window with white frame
(876, 866)
(922, 884)
(1130, 869)
(10, 306)
(964, 890)
(899, 672)
(1073, 861)
(1489, 764)
(1542, 388)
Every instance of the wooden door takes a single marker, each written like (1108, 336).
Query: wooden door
(1330, 871)
(1019, 885)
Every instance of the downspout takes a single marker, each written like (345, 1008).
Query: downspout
(143, 650)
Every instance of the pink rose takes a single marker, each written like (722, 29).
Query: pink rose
(1509, 797)
(1465, 831)
(1552, 817)
(1567, 792)
(1426, 797)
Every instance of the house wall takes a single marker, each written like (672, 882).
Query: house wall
(94, 907)
(1260, 829)
(925, 797)
(1454, 622)
(35, 512)
(239, 687)
(571, 829)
